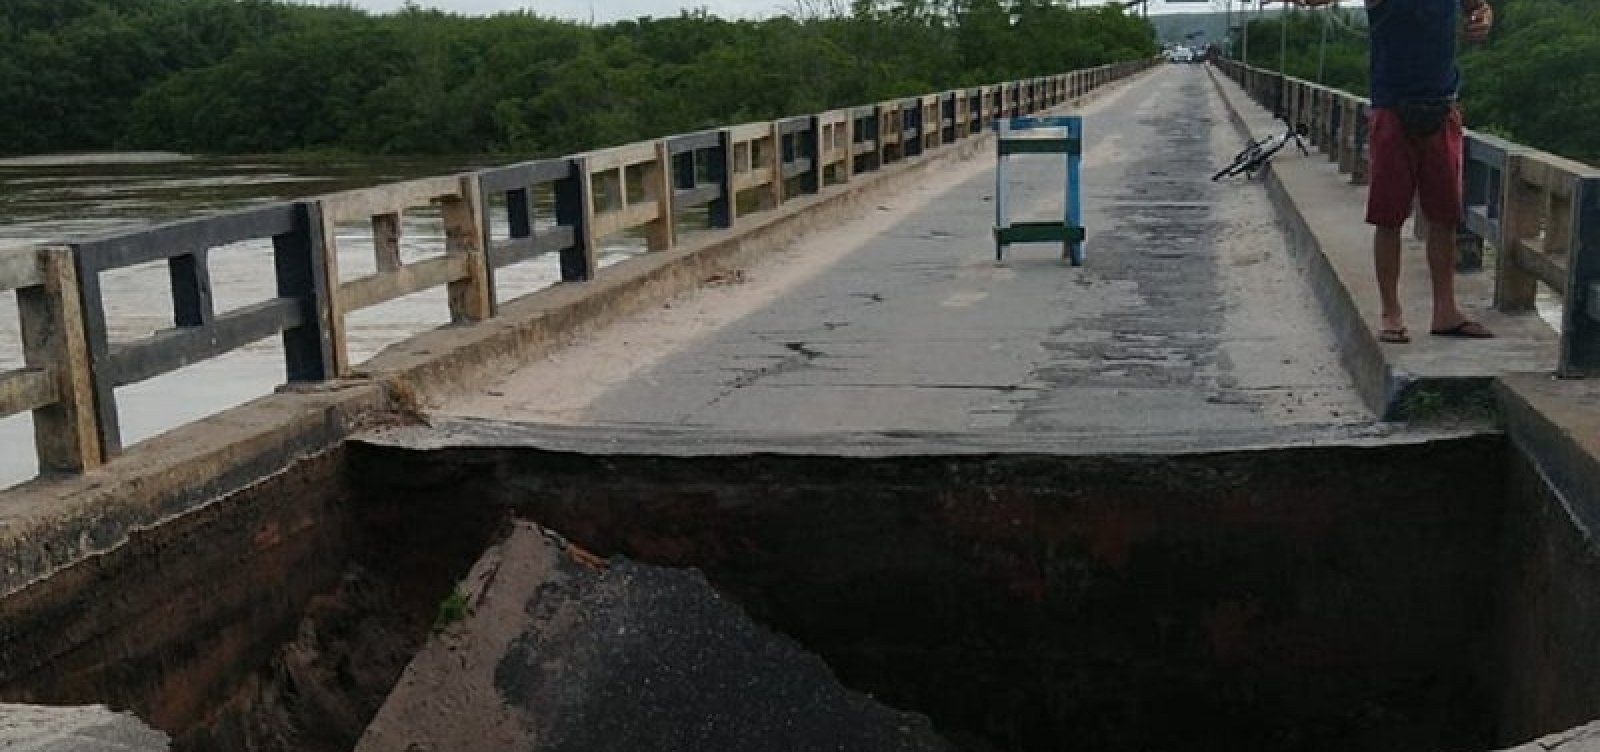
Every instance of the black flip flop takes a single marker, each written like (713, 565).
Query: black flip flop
(1394, 336)
(1468, 329)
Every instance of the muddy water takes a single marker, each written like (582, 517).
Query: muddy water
(54, 199)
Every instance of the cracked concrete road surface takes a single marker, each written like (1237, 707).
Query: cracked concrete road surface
(1190, 315)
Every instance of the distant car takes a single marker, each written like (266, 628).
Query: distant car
(1180, 55)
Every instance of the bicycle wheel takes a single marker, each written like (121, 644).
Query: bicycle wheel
(1229, 171)
(1239, 161)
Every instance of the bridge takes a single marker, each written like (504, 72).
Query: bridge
(814, 382)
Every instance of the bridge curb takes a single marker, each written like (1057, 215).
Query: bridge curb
(1554, 423)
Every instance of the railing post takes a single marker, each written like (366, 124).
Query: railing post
(887, 124)
(685, 174)
(1334, 105)
(720, 213)
(1359, 159)
(1314, 114)
(1328, 119)
(469, 296)
(963, 122)
(1347, 136)
(190, 276)
(812, 180)
(911, 117)
(847, 169)
(97, 337)
(1515, 290)
(1469, 250)
(1313, 105)
(302, 274)
(1580, 330)
(772, 197)
(66, 436)
(575, 209)
(519, 214)
(659, 234)
(329, 257)
(1483, 183)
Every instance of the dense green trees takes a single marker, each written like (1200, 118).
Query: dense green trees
(242, 76)
(1539, 81)
(1535, 80)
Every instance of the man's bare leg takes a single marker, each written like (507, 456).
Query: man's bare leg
(1386, 261)
(1442, 271)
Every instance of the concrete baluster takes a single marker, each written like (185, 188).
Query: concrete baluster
(1580, 332)
(659, 233)
(469, 296)
(1515, 289)
(66, 432)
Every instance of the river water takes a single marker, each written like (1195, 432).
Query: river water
(58, 199)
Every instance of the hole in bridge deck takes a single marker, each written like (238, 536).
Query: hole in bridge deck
(1321, 599)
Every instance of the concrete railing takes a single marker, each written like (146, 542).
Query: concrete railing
(1539, 211)
(72, 366)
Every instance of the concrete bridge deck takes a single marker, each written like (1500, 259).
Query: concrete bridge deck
(1191, 317)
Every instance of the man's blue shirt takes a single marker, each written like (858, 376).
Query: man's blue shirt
(1413, 51)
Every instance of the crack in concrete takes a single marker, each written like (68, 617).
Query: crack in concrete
(801, 358)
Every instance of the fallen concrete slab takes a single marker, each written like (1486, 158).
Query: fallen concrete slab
(93, 728)
(1584, 738)
(558, 650)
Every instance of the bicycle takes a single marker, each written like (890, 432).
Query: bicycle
(1256, 155)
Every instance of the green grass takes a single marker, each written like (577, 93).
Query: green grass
(452, 610)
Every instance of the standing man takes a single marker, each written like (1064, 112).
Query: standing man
(1414, 145)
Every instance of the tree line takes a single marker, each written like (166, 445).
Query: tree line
(1536, 80)
(262, 76)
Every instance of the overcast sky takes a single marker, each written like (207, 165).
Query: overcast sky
(611, 10)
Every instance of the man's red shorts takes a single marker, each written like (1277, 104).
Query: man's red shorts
(1403, 167)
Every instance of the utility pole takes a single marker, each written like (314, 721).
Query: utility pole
(1245, 22)
(1228, 24)
(1283, 42)
(1322, 53)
